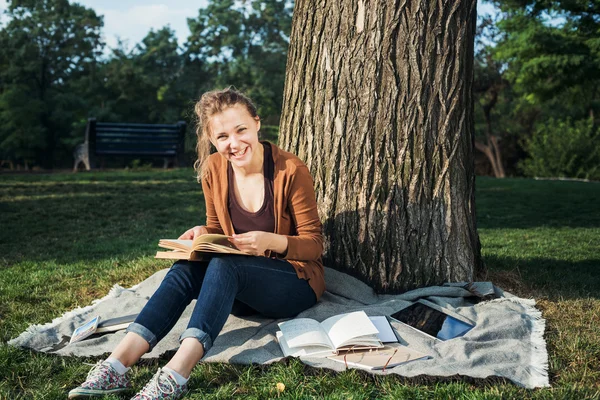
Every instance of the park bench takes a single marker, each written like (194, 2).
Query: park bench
(105, 139)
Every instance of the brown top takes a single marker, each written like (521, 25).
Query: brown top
(262, 220)
(295, 211)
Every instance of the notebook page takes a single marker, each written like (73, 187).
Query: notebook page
(301, 332)
(304, 351)
(341, 328)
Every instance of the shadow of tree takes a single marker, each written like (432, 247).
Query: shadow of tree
(71, 222)
(528, 203)
(545, 277)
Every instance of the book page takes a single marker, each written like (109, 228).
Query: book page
(305, 351)
(175, 244)
(172, 255)
(301, 332)
(211, 243)
(217, 248)
(344, 327)
(213, 238)
(215, 243)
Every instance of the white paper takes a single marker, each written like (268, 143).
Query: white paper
(306, 351)
(302, 332)
(386, 334)
(186, 243)
(341, 328)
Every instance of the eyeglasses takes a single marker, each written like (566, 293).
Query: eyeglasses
(352, 350)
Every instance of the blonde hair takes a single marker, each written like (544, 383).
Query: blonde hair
(211, 103)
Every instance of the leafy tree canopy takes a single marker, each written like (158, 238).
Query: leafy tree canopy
(246, 43)
(45, 45)
(552, 49)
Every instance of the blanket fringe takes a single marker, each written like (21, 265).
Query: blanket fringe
(538, 367)
(539, 355)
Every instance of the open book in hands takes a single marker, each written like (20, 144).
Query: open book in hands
(193, 249)
(305, 337)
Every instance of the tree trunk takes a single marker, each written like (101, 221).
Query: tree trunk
(378, 103)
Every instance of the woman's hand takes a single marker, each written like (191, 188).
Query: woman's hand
(257, 242)
(193, 233)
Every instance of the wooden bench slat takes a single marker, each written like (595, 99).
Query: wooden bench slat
(137, 135)
(137, 131)
(133, 125)
(125, 139)
(139, 152)
(134, 146)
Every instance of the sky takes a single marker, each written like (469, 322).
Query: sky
(131, 20)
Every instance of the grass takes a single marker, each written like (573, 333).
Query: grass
(67, 238)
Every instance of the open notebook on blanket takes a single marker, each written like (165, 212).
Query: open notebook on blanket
(308, 337)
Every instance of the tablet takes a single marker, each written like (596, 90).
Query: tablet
(432, 321)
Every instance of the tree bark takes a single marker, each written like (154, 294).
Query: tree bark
(378, 103)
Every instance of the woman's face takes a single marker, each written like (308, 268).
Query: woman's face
(235, 135)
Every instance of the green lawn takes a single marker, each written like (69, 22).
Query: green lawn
(65, 239)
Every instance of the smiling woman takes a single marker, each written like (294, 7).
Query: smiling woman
(235, 136)
(263, 199)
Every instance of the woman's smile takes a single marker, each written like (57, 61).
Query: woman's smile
(240, 153)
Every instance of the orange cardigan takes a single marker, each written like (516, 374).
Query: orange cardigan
(295, 209)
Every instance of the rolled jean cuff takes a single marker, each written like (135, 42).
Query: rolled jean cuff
(199, 334)
(144, 333)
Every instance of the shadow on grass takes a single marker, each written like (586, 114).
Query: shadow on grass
(114, 175)
(69, 222)
(555, 279)
(528, 203)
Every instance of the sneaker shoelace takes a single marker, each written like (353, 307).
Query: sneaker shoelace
(96, 371)
(154, 389)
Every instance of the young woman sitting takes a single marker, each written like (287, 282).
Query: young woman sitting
(263, 198)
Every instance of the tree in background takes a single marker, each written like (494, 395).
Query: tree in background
(540, 60)
(552, 49)
(378, 103)
(139, 83)
(551, 53)
(488, 87)
(562, 148)
(53, 74)
(502, 116)
(246, 44)
(45, 46)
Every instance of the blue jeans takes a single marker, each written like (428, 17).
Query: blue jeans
(269, 286)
